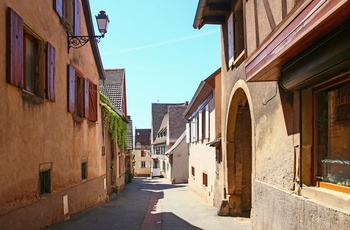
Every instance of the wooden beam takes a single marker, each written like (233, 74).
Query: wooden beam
(225, 7)
(214, 19)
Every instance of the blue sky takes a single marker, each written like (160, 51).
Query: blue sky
(164, 57)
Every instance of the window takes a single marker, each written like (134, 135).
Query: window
(45, 182)
(143, 164)
(235, 35)
(332, 131)
(192, 171)
(205, 179)
(84, 170)
(143, 153)
(31, 61)
(69, 12)
(82, 96)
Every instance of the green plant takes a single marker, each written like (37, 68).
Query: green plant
(111, 119)
(128, 177)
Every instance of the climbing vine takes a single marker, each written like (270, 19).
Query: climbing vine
(116, 126)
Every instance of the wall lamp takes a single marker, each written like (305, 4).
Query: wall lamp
(76, 42)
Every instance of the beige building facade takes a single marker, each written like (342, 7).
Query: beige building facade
(203, 137)
(52, 164)
(285, 80)
(142, 153)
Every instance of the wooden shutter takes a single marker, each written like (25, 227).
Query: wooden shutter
(230, 39)
(71, 89)
(92, 102)
(50, 72)
(76, 17)
(41, 63)
(15, 48)
(86, 98)
(58, 6)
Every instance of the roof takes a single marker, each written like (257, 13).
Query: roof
(143, 136)
(203, 92)
(212, 12)
(177, 143)
(113, 86)
(158, 112)
(129, 135)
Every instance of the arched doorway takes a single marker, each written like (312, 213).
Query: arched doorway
(239, 155)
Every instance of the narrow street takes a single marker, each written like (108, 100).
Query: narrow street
(153, 204)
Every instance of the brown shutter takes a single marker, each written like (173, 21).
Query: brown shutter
(15, 48)
(50, 72)
(76, 17)
(71, 89)
(86, 98)
(93, 102)
(40, 81)
(58, 7)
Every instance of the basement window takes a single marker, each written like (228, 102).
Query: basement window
(45, 182)
(84, 171)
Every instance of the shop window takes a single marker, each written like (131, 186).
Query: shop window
(31, 61)
(69, 12)
(235, 36)
(82, 96)
(332, 131)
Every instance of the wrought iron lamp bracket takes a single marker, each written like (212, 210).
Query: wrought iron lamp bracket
(76, 42)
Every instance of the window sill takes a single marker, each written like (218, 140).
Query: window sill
(29, 96)
(328, 197)
(76, 118)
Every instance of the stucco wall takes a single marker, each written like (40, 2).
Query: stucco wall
(37, 131)
(180, 163)
(280, 209)
(202, 158)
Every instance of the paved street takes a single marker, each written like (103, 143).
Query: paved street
(153, 204)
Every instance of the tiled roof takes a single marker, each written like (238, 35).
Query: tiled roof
(113, 88)
(177, 122)
(158, 112)
(143, 136)
(129, 136)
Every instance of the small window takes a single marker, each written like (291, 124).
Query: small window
(143, 153)
(69, 12)
(84, 171)
(45, 182)
(192, 171)
(143, 164)
(205, 179)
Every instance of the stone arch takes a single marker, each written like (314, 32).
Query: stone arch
(239, 148)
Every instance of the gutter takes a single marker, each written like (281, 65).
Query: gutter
(197, 23)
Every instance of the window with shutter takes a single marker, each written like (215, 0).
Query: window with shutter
(235, 36)
(92, 102)
(70, 12)
(29, 67)
(79, 95)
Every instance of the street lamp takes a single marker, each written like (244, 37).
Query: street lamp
(76, 42)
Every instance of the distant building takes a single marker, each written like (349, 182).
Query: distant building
(117, 151)
(177, 161)
(168, 124)
(142, 153)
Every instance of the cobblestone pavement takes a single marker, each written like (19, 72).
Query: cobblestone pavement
(152, 204)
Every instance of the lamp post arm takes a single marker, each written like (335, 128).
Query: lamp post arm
(76, 42)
